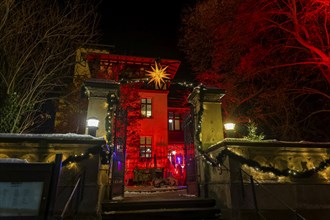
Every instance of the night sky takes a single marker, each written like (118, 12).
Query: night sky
(144, 28)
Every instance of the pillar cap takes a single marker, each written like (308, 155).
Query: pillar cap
(100, 87)
(209, 94)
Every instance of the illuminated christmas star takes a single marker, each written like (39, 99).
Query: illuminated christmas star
(157, 75)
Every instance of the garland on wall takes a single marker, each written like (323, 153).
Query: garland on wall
(203, 155)
(111, 101)
(108, 149)
(244, 161)
(257, 166)
(83, 156)
(199, 119)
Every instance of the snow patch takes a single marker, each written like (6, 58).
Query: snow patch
(118, 198)
(67, 136)
(12, 160)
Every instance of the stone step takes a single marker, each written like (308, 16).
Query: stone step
(194, 209)
(157, 204)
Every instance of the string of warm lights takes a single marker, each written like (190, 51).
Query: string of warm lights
(184, 83)
(128, 81)
(111, 102)
(286, 172)
(199, 118)
(200, 90)
(86, 155)
(244, 161)
(146, 80)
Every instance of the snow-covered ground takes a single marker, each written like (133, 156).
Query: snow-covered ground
(155, 193)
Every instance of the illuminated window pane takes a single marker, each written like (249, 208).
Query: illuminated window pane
(170, 125)
(174, 121)
(177, 122)
(145, 147)
(148, 110)
(146, 107)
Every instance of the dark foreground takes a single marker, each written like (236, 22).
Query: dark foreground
(160, 203)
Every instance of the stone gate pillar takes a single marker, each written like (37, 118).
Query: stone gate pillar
(208, 128)
(98, 106)
(97, 93)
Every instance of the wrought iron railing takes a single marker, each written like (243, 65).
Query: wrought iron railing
(74, 199)
(253, 183)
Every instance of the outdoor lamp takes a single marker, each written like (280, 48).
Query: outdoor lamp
(229, 129)
(229, 126)
(92, 125)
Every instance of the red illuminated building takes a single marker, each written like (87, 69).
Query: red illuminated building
(156, 108)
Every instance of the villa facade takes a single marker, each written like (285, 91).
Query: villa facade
(155, 110)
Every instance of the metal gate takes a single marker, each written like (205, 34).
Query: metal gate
(191, 166)
(119, 154)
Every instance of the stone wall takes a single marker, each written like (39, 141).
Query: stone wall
(274, 196)
(81, 158)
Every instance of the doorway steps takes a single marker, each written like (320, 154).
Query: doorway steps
(171, 209)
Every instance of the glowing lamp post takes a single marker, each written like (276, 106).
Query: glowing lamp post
(229, 126)
(92, 126)
(229, 129)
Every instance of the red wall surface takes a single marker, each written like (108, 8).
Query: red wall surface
(156, 127)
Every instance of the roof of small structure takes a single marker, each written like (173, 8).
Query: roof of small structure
(173, 65)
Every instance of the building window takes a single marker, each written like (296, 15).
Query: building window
(145, 147)
(146, 108)
(174, 121)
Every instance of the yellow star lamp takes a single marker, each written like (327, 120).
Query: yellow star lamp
(157, 75)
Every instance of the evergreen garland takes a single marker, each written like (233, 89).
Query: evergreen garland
(108, 149)
(199, 119)
(102, 150)
(286, 172)
(77, 158)
(111, 101)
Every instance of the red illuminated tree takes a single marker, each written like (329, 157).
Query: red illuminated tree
(130, 101)
(265, 54)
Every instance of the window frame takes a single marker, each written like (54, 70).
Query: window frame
(144, 146)
(176, 118)
(145, 105)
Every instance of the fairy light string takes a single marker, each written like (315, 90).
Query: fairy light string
(269, 169)
(99, 149)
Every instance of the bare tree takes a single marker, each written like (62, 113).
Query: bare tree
(271, 57)
(38, 43)
(304, 25)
